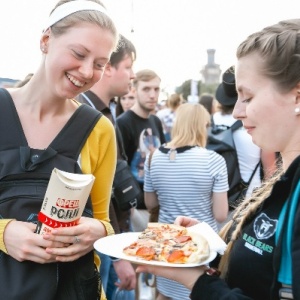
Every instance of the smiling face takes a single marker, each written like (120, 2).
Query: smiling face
(75, 60)
(267, 114)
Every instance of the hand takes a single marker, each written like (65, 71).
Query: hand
(23, 244)
(185, 276)
(80, 239)
(186, 221)
(126, 274)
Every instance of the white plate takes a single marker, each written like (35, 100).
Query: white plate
(113, 245)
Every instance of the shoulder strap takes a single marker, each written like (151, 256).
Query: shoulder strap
(71, 139)
(11, 133)
(215, 129)
(68, 142)
(236, 125)
(252, 175)
(120, 142)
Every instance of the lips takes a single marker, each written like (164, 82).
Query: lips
(75, 81)
(249, 129)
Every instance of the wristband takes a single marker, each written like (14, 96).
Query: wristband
(108, 228)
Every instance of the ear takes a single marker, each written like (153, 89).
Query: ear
(108, 69)
(44, 41)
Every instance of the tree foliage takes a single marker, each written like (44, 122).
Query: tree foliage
(185, 88)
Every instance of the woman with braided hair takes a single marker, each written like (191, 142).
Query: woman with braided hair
(262, 259)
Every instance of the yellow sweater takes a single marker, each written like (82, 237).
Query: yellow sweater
(98, 157)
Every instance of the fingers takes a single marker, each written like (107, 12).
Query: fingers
(75, 248)
(126, 284)
(63, 239)
(23, 244)
(185, 221)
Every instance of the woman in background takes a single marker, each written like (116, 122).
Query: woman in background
(209, 102)
(184, 178)
(125, 102)
(167, 115)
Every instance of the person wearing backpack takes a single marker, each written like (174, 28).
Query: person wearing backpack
(262, 259)
(43, 127)
(244, 164)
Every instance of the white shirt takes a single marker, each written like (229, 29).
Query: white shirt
(248, 153)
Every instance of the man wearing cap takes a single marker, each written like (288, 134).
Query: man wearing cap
(248, 153)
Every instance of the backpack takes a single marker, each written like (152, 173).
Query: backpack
(24, 176)
(126, 192)
(220, 140)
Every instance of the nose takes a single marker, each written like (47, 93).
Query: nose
(86, 69)
(239, 110)
(152, 93)
(132, 74)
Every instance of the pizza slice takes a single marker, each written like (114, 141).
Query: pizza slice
(169, 243)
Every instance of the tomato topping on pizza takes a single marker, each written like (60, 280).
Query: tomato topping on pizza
(169, 243)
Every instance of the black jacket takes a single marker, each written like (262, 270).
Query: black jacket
(254, 259)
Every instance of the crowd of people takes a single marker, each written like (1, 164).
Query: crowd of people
(88, 65)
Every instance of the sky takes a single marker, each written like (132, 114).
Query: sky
(171, 36)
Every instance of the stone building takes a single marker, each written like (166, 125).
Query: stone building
(211, 71)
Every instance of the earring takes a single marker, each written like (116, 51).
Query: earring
(297, 110)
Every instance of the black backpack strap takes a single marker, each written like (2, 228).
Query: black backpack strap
(120, 142)
(72, 137)
(236, 125)
(252, 175)
(11, 133)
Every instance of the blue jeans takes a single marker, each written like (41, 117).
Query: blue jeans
(109, 277)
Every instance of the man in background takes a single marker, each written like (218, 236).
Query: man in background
(142, 133)
(116, 82)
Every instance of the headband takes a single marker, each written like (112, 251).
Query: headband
(71, 7)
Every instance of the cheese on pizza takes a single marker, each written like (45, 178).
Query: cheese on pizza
(169, 243)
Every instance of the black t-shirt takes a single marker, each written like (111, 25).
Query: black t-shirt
(140, 137)
(254, 256)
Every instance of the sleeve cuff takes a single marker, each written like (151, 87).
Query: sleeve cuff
(3, 224)
(202, 287)
(109, 229)
(114, 259)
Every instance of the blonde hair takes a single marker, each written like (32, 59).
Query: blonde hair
(144, 75)
(174, 101)
(190, 126)
(232, 230)
(90, 16)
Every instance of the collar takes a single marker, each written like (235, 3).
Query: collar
(98, 103)
(163, 149)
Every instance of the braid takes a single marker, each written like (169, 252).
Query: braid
(232, 230)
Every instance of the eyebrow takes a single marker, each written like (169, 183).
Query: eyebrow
(79, 45)
(242, 88)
